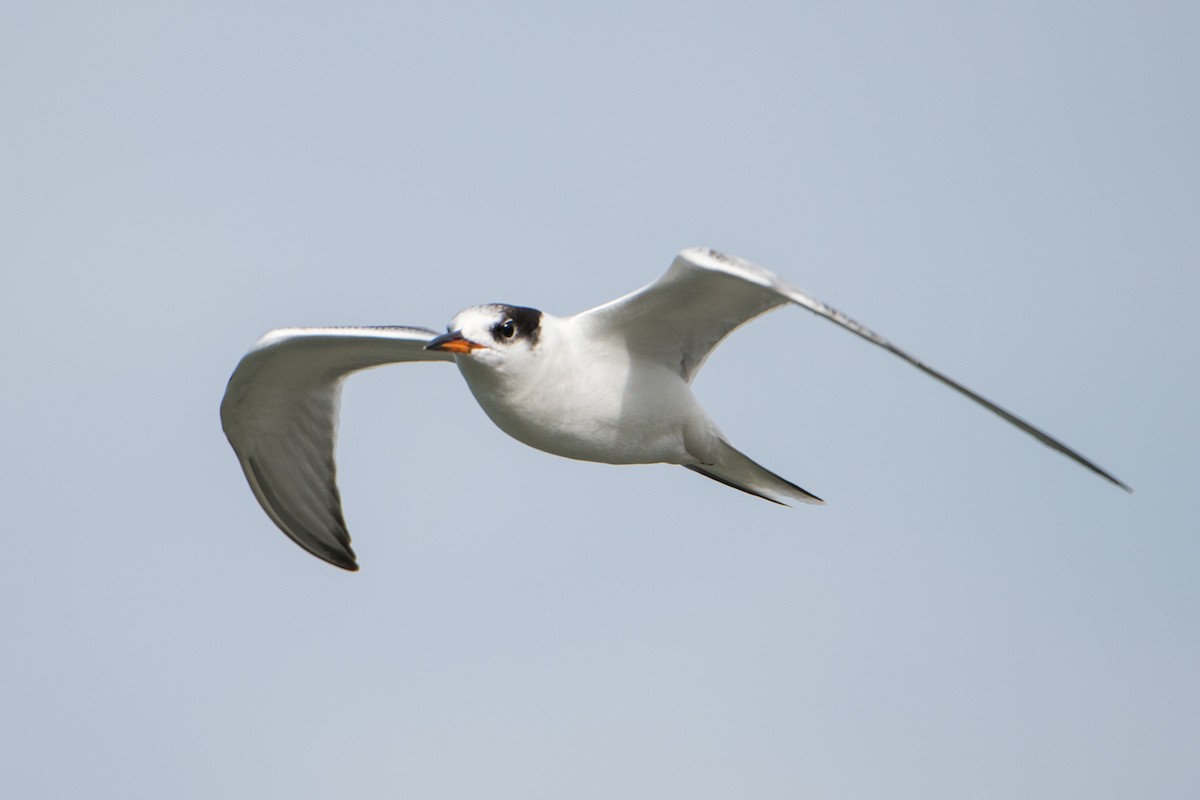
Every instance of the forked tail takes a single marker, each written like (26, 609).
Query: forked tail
(732, 468)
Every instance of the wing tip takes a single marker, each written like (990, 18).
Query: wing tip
(1120, 484)
(342, 557)
(336, 552)
(346, 562)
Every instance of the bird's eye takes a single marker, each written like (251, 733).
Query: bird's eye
(507, 329)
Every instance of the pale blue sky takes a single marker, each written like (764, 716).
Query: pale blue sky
(1008, 190)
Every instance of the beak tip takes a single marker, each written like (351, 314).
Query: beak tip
(453, 342)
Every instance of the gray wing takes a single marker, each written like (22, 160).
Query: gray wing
(681, 317)
(280, 414)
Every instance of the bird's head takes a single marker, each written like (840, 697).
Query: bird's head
(491, 335)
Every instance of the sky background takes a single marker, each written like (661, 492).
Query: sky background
(1011, 191)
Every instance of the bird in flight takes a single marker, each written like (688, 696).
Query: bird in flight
(611, 384)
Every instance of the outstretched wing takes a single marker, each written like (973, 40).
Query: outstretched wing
(280, 414)
(705, 295)
(681, 317)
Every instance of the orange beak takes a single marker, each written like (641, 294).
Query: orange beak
(453, 343)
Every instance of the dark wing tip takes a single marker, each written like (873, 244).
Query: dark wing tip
(1119, 483)
(344, 561)
(340, 554)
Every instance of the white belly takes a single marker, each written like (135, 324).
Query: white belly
(595, 415)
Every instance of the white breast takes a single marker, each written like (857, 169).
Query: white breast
(588, 399)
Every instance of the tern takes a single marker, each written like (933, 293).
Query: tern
(611, 384)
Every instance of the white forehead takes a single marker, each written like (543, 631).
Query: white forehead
(476, 319)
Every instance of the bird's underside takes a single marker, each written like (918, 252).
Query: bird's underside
(281, 405)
